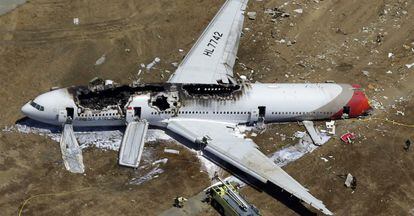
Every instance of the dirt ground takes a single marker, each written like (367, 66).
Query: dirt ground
(366, 42)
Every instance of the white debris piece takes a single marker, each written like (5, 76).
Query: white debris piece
(175, 64)
(388, 72)
(71, 152)
(281, 41)
(163, 161)
(409, 65)
(76, 21)
(171, 151)
(377, 104)
(330, 127)
(252, 15)
(400, 113)
(390, 55)
(313, 132)
(150, 175)
(294, 152)
(142, 65)
(253, 134)
(348, 180)
(7, 129)
(299, 11)
(153, 63)
(366, 73)
(101, 60)
(324, 159)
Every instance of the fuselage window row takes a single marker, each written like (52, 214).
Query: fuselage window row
(299, 113)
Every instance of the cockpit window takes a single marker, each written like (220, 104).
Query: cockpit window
(37, 106)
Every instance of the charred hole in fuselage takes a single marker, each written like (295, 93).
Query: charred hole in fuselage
(161, 102)
(116, 96)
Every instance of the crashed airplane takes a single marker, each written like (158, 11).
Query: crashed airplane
(203, 102)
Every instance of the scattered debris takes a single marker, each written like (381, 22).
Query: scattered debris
(400, 113)
(251, 15)
(350, 181)
(314, 133)
(407, 145)
(324, 159)
(7, 129)
(299, 11)
(76, 21)
(153, 63)
(276, 13)
(150, 175)
(163, 161)
(171, 151)
(290, 43)
(377, 105)
(294, 152)
(409, 65)
(330, 127)
(101, 60)
(348, 138)
(366, 73)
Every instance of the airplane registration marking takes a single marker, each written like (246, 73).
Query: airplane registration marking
(212, 44)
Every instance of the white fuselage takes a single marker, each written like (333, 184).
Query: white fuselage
(268, 102)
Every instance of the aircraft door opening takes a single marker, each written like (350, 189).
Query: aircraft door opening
(133, 114)
(262, 111)
(70, 112)
(262, 114)
(137, 112)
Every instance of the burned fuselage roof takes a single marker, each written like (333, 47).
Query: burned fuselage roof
(116, 96)
(119, 96)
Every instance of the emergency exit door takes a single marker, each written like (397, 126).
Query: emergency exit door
(133, 113)
(137, 112)
(262, 111)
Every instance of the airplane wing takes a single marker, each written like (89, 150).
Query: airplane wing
(221, 140)
(211, 59)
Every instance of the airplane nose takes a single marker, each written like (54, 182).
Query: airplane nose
(27, 110)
